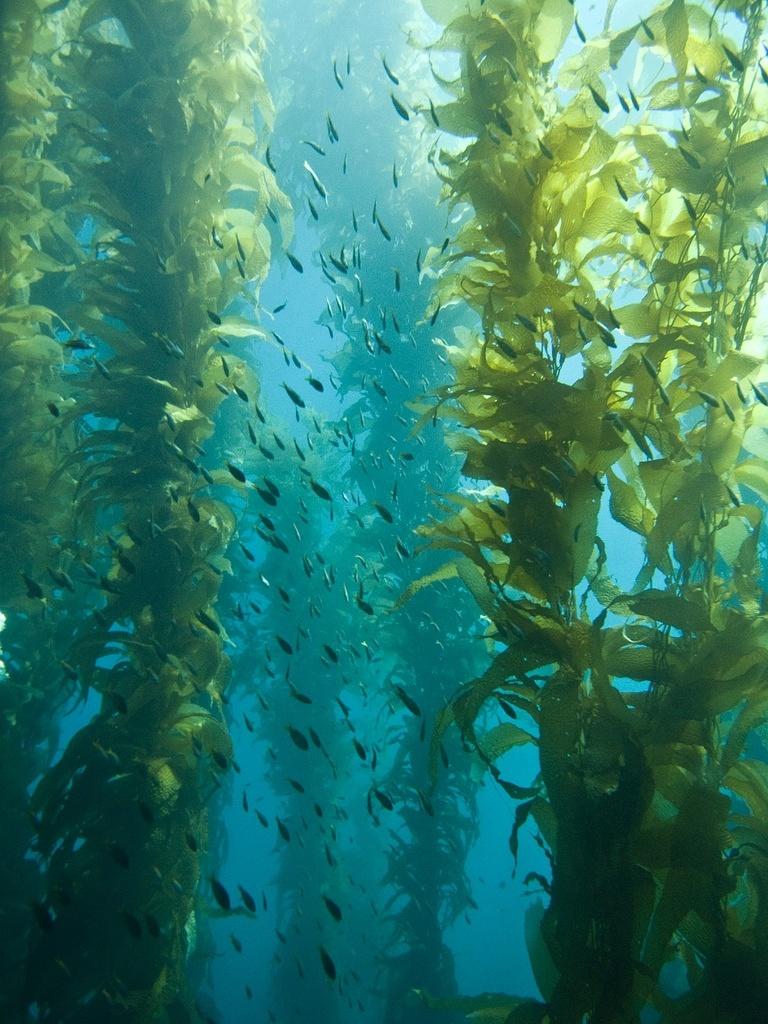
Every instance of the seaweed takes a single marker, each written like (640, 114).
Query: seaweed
(614, 262)
(158, 137)
(36, 250)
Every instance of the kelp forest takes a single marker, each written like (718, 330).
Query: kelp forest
(383, 467)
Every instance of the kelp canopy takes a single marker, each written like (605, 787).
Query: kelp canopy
(583, 336)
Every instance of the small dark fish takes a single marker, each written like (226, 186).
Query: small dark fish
(328, 965)
(319, 490)
(294, 397)
(220, 760)
(298, 737)
(689, 158)
(399, 107)
(264, 822)
(34, 590)
(295, 262)
(433, 113)
(319, 186)
(270, 163)
(337, 76)
(708, 399)
(383, 229)
(283, 830)
(734, 60)
(220, 894)
(214, 317)
(313, 145)
(599, 100)
(333, 908)
(248, 901)
(206, 620)
(384, 512)
(407, 700)
(390, 74)
(384, 800)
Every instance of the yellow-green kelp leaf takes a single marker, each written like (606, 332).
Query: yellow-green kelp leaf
(678, 612)
(445, 572)
(554, 23)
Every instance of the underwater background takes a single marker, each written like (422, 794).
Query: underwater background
(383, 467)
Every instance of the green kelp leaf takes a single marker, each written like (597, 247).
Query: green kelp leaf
(446, 572)
(675, 22)
(444, 11)
(753, 473)
(597, 55)
(554, 23)
(477, 585)
(672, 610)
(502, 738)
(459, 118)
(626, 508)
(749, 780)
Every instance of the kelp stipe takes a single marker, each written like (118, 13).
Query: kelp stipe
(627, 260)
(160, 135)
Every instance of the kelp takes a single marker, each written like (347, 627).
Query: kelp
(36, 250)
(159, 138)
(613, 255)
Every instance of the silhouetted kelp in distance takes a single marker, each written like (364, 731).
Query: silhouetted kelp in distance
(614, 257)
(381, 477)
